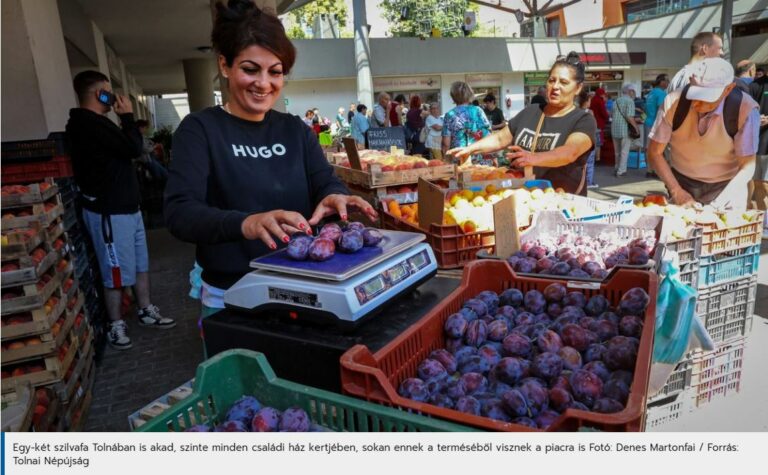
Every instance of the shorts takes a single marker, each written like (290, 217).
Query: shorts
(127, 254)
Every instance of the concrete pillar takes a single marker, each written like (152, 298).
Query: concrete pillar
(362, 55)
(726, 27)
(199, 76)
(37, 86)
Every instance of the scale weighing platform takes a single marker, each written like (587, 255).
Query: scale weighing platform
(345, 289)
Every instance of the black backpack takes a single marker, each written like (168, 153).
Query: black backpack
(730, 110)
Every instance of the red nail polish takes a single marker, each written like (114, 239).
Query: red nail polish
(301, 226)
(273, 246)
(344, 217)
(286, 239)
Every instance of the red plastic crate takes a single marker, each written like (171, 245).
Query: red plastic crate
(453, 247)
(375, 377)
(57, 167)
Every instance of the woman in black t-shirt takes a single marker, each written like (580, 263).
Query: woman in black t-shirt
(565, 133)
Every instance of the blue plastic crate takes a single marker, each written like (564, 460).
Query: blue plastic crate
(636, 160)
(728, 266)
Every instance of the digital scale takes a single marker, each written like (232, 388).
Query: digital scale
(344, 289)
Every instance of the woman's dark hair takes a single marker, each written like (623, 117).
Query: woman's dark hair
(361, 107)
(241, 24)
(309, 112)
(572, 62)
(415, 102)
(400, 99)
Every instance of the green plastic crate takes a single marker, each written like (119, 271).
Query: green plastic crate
(226, 377)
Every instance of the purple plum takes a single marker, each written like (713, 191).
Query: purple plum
(634, 302)
(631, 325)
(511, 297)
(576, 299)
(413, 388)
(455, 326)
(446, 359)
(431, 370)
(322, 249)
(351, 241)
(266, 420)
(468, 405)
(231, 426)
(607, 406)
(298, 248)
(571, 358)
(372, 237)
(477, 306)
(547, 365)
(587, 387)
(294, 419)
(331, 231)
(518, 345)
(476, 333)
(509, 370)
(596, 305)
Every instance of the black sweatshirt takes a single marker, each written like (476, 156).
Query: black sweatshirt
(225, 168)
(102, 156)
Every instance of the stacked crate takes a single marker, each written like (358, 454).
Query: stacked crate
(724, 274)
(86, 265)
(46, 337)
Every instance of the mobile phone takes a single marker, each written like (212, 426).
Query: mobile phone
(107, 98)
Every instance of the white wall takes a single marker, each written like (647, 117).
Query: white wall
(513, 85)
(326, 95)
(36, 87)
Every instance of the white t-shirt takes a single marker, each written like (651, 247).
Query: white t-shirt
(434, 137)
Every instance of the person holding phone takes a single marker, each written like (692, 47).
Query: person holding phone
(102, 158)
(245, 176)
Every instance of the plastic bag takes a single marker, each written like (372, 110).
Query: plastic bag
(678, 330)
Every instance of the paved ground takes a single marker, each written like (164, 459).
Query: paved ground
(162, 360)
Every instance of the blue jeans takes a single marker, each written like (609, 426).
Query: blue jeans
(591, 168)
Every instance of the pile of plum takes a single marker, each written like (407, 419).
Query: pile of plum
(248, 415)
(351, 238)
(526, 358)
(580, 256)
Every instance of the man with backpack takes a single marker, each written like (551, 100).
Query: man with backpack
(712, 129)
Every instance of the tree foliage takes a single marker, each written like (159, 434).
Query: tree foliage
(306, 14)
(419, 17)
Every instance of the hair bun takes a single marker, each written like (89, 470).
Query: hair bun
(236, 9)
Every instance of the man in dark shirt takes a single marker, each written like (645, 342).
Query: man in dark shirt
(494, 114)
(102, 155)
(758, 89)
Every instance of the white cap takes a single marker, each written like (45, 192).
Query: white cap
(712, 76)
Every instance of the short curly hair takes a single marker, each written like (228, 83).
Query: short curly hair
(241, 24)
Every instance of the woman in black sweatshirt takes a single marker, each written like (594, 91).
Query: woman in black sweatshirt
(244, 176)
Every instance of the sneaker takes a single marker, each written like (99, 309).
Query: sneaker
(118, 335)
(150, 317)
(593, 186)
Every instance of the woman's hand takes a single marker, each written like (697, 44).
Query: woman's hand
(520, 158)
(338, 204)
(462, 153)
(681, 197)
(274, 223)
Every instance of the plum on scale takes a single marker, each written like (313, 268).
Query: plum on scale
(331, 238)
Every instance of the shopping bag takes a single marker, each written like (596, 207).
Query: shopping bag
(678, 330)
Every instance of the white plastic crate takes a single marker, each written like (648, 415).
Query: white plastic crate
(726, 309)
(717, 374)
(666, 411)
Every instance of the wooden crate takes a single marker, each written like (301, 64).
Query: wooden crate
(26, 397)
(374, 177)
(465, 181)
(159, 405)
(28, 270)
(49, 344)
(40, 320)
(38, 214)
(34, 195)
(18, 243)
(47, 421)
(29, 296)
(54, 370)
(55, 230)
(81, 370)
